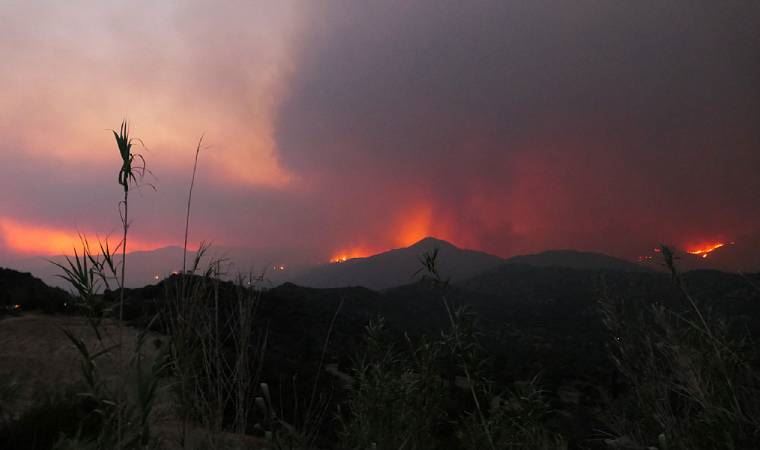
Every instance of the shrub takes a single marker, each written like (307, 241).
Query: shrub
(398, 399)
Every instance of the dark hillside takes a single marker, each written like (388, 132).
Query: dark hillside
(575, 259)
(22, 291)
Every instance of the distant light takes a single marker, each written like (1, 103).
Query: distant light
(156, 277)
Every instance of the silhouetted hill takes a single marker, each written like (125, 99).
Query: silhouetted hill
(397, 267)
(574, 259)
(28, 292)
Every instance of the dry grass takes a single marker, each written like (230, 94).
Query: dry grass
(35, 352)
(37, 355)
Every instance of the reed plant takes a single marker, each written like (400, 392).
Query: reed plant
(121, 405)
(216, 353)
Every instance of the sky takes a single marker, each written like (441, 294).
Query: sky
(342, 128)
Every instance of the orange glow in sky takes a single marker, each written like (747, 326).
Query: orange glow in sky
(414, 227)
(411, 227)
(30, 239)
(418, 223)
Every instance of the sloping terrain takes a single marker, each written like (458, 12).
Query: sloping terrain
(22, 290)
(574, 259)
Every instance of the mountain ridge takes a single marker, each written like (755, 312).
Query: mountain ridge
(576, 259)
(398, 266)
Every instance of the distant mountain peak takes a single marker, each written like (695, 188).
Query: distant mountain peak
(399, 266)
(430, 241)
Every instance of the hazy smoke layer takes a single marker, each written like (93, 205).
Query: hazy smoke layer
(358, 126)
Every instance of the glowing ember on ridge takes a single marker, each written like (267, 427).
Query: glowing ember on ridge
(705, 250)
(343, 256)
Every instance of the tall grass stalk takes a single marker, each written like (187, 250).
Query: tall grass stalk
(128, 175)
(310, 410)
(216, 356)
(189, 202)
(84, 272)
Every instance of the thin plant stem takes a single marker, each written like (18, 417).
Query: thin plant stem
(125, 225)
(469, 378)
(189, 201)
(322, 359)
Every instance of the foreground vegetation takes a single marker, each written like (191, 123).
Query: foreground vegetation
(230, 364)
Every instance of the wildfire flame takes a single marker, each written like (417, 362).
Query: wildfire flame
(345, 255)
(705, 250)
